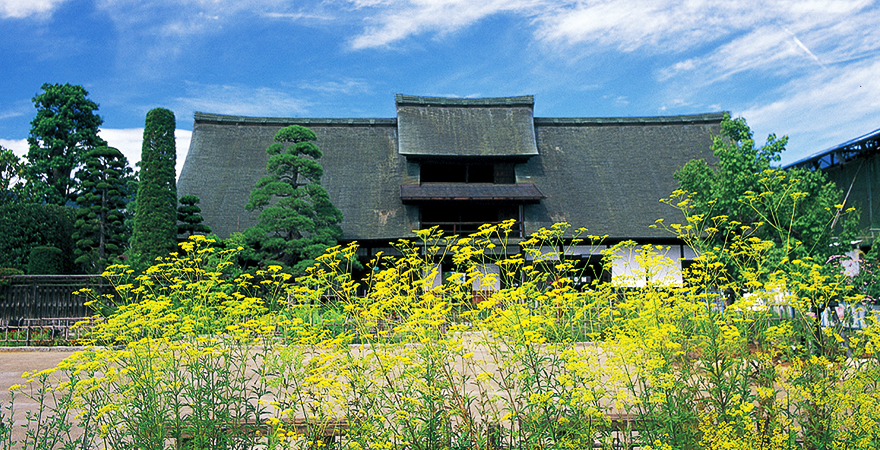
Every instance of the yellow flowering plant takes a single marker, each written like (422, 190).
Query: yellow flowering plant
(513, 350)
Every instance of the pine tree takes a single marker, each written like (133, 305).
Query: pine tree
(64, 130)
(100, 231)
(155, 224)
(189, 217)
(297, 221)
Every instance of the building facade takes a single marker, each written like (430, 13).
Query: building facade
(459, 163)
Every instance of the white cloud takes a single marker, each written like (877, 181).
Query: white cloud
(182, 18)
(10, 114)
(18, 146)
(158, 33)
(17, 9)
(630, 25)
(669, 25)
(746, 35)
(129, 141)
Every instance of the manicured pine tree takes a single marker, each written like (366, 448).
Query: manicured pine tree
(155, 223)
(189, 217)
(297, 221)
(100, 230)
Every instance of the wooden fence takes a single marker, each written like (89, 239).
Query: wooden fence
(47, 296)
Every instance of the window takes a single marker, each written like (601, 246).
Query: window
(460, 172)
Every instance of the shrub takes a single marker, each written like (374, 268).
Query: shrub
(29, 225)
(45, 261)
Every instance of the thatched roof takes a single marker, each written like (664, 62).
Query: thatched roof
(362, 171)
(450, 127)
(609, 175)
(604, 174)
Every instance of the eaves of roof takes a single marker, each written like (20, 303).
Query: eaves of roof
(652, 120)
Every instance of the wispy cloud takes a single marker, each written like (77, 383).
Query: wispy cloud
(181, 18)
(748, 34)
(827, 107)
(298, 16)
(782, 39)
(337, 87)
(161, 33)
(390, 21)
(17, 9)
(661, 25)
(9, 114)
(804, 48)
(240, 100)
(763, 47)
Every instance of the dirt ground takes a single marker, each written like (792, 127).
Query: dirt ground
(16, 360)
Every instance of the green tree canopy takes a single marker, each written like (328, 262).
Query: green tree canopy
(155, 223)
(11, 174)
(100, 230)
(297, 221)
(65, 128)
(746, 195)
(189, 217)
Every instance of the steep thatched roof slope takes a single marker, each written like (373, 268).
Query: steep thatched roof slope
(608, 175)
(493, 127)
(362, 171)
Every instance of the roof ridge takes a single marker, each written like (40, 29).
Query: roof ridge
(413, 100)
(223, 118)
(690, 118)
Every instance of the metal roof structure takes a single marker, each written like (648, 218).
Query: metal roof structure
(863, 146)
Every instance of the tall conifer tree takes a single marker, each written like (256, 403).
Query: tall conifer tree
(155, 224)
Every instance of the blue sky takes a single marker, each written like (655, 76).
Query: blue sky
(807, 69)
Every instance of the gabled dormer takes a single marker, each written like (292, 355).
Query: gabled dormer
(467, 151)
